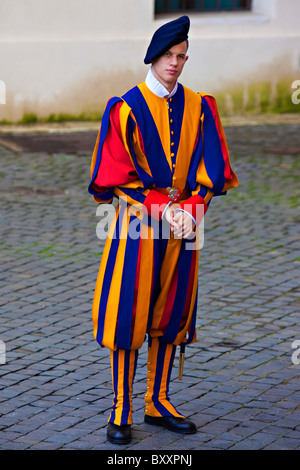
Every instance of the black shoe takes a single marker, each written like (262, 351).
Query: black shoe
(118, 434)
(180, 425)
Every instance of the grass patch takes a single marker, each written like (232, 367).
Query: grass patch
(64, 117)
(32, 118)
(256, 98)
(29, 118)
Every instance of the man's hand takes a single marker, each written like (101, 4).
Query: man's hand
(181, 224)
(169, 216)
(185, 225)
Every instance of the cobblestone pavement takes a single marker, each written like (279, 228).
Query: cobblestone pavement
(241, 382)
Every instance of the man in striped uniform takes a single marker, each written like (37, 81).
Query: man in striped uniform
(161, 151)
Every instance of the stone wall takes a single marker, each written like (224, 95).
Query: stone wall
(65, 58)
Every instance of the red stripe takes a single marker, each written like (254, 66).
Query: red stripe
(169, 301)
(211, 103)
(192, 205)
(141, 140)
(136, 286)
(189, 291)
(115, 167)
(155, 203)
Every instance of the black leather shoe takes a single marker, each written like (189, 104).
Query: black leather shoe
(118, 434)
(180, 425)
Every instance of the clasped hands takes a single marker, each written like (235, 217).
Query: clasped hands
(181, 224)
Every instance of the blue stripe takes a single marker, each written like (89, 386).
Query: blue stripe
(177, 106)
(115, 383)
(193, 323)
(154, 151)
(158, 375)
(109, 269)
(103, 132)
(124, 368)
(159, 249)
(158, 378)
(170, 370)
(160, 228)
(146, 179)
(212, 151)
(123, 335)
(184, 268)
(191, 181)
(203, 191)
(126, 397)
(135, 194)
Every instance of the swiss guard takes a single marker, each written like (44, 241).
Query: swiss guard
(161, 152)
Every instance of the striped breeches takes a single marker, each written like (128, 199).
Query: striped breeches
(159, 367)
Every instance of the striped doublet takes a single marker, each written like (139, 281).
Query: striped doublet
(146, 283)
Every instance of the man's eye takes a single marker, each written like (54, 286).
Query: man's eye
(167, 54)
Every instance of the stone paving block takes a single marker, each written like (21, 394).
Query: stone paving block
(239, 385)
(257, 442)
(283, 444)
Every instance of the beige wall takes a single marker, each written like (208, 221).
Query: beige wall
(70, 56)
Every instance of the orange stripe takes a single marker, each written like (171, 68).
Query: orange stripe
(112, 370)
(125, 111)
(169, 300)
(152, 358)
(136, 204)
(166, 276)
(188, 135)
(145, 287)
(159, 110)
(181, 335)
(164, 380)
(131, 377)
(120, 388)
(95, 152)
(93, 163)
(208, 196)
(122, 379)
(151, 410)
(100, 277)
(112, 307)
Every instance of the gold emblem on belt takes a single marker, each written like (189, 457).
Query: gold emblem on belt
(174, 194)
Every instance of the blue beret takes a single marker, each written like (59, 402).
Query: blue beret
(166, 36)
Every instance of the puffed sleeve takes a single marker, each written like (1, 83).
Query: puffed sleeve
(114, 168)
(210, 172)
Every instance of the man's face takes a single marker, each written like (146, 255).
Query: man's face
(168, 66)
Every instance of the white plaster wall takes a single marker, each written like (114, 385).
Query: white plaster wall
(70, 56)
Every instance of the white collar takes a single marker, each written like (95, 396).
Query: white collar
(157, 88)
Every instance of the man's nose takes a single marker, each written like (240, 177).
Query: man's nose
(173, 60)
